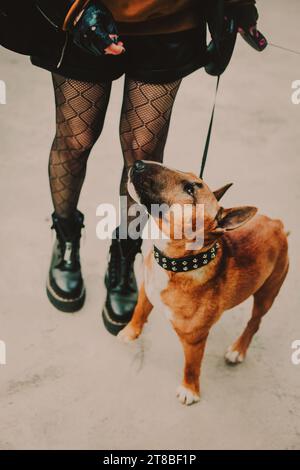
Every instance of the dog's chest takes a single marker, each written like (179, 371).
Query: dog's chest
(156, 280)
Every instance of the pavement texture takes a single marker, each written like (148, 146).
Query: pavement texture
(67, 383)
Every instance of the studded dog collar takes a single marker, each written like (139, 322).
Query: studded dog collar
(187, 263)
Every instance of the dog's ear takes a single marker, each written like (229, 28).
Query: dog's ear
(219, 193)
(230, 219)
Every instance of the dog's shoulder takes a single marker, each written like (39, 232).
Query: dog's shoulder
(259, 237)
(257, 230)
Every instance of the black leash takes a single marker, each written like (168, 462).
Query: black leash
(286, 49)
(208, 138)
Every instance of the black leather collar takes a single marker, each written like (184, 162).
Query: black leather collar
(187, 263)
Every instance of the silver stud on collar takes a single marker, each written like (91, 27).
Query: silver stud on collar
(188, 264)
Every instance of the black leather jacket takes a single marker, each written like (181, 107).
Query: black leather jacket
(31, 26)
(27, 26)
(54, 11)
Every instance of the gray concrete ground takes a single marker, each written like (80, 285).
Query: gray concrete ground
(67, 383)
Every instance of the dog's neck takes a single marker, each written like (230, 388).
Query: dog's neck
(199, 265)
(180, 248)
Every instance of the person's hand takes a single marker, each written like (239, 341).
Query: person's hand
(96, 31)
(116, 48)
(245, 15)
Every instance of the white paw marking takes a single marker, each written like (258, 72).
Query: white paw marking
(234, 357)
(126, 336)
(186, 396)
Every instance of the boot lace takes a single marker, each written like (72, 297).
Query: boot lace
(121, 268)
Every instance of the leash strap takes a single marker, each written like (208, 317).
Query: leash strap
(208, 138)
(286, 49)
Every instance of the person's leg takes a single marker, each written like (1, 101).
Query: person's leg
(80, 114)
(145, 122)
(144, 126)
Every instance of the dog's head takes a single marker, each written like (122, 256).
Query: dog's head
(154, 185)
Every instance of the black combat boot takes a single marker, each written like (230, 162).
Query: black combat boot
(122, 292)
(65, 288)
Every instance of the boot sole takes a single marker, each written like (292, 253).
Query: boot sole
(112, 326)
(65, 305)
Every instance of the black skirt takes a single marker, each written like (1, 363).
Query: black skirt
(159, 58)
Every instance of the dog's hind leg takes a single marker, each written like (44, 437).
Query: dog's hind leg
(263, 301)
(140, 315)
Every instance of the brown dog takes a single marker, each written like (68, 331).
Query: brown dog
(243, 254)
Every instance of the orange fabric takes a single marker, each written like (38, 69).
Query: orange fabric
(149, 16)
(158, 16)
(144, 10)
(153, 16)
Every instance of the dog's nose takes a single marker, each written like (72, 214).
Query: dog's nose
(139, 166)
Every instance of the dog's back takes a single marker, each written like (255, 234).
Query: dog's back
(252, 254)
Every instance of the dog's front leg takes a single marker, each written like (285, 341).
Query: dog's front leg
(189, 391)
(140, 315)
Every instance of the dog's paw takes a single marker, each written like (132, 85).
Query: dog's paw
(128, 334)
(187, 396)
(234, 357)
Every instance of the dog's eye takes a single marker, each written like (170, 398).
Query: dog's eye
(189, 188)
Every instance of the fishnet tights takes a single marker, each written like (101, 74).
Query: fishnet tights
(145, 122)
(80, 115)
